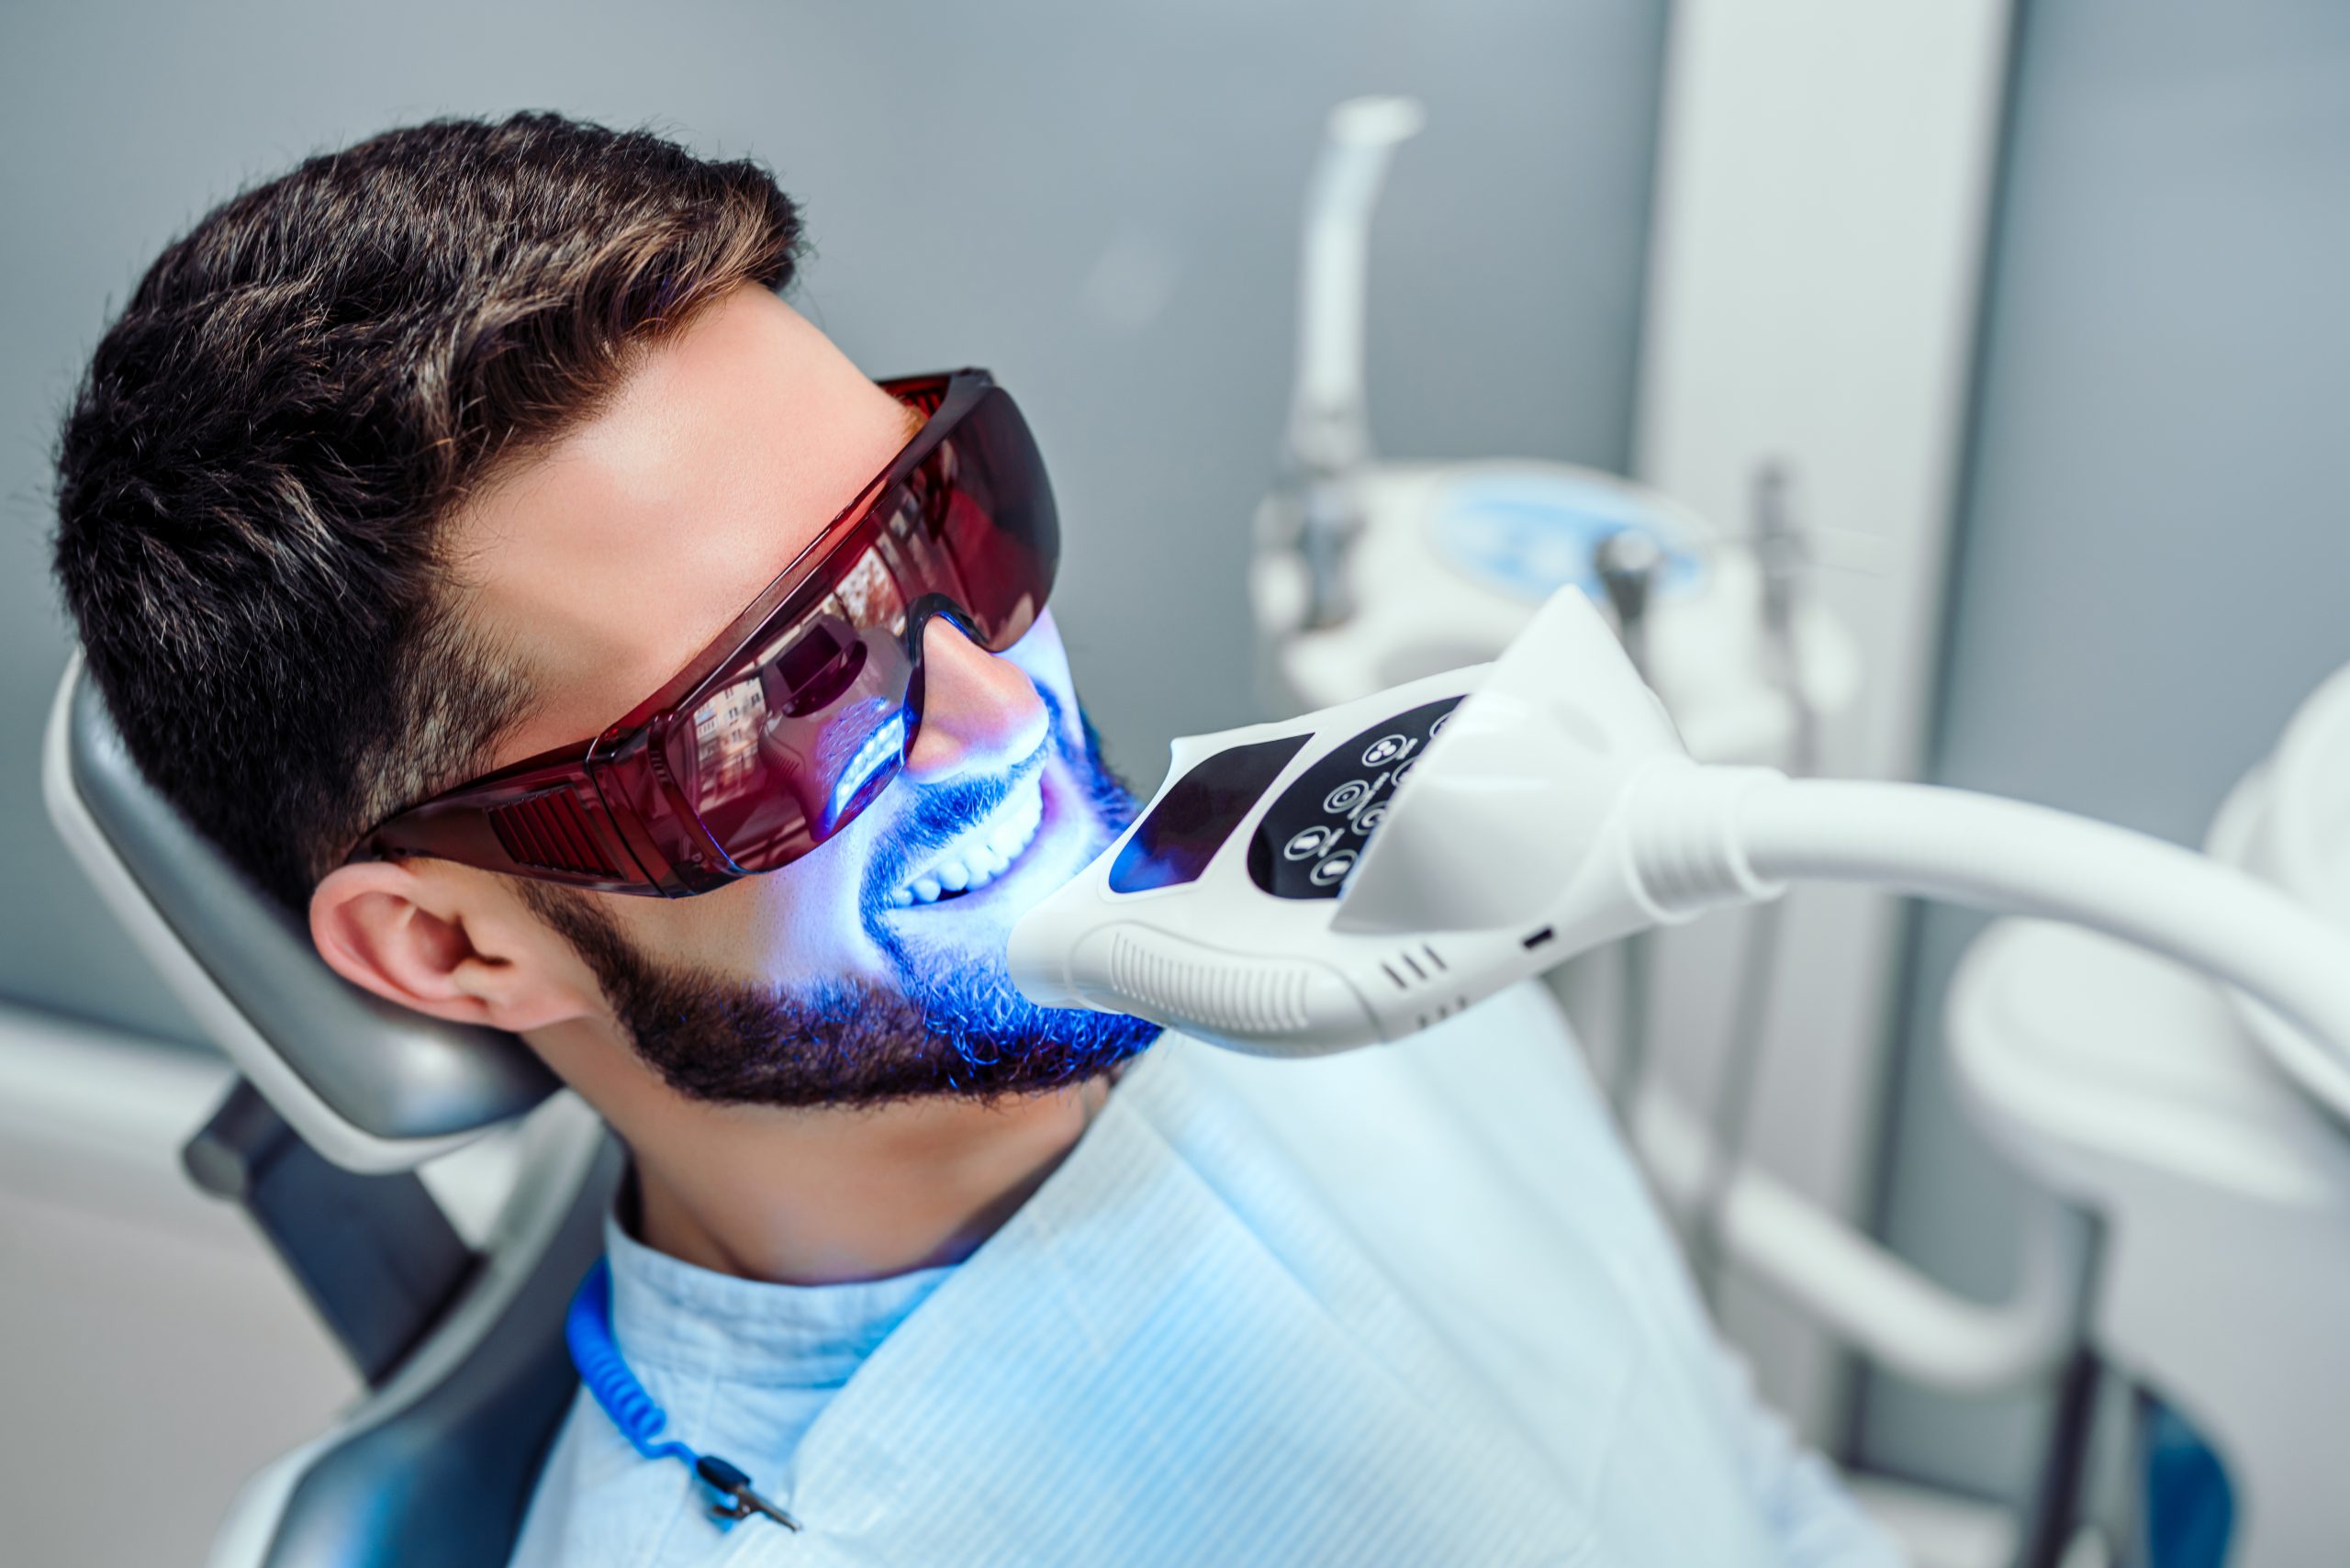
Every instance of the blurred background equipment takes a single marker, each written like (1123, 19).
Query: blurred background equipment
(2028, 315)
(1368, 573)
(2140, 1094)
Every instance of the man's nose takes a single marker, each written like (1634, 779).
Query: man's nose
(980, 714)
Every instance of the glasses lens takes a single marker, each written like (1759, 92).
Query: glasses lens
(974, 522)
(776, 760)
(814, 719)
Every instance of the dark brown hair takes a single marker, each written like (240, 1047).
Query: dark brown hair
(251, 479)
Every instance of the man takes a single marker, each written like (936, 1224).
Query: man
(405, 478)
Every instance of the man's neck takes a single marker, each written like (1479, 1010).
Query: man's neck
(816, 1196)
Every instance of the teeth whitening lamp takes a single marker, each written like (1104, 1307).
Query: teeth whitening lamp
(1355, 875)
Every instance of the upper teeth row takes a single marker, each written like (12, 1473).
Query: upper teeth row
(976, 862)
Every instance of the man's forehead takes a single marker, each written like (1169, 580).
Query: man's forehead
(605, 561)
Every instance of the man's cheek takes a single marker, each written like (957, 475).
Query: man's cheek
(785, 928)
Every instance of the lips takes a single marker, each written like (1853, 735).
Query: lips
(980, 855)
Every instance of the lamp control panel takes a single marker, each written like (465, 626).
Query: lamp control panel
(1309, 839)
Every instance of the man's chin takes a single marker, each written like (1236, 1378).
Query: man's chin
(954, 1029)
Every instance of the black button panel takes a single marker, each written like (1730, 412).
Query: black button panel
(1308, 842)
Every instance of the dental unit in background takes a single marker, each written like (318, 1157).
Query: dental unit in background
(1368, 573)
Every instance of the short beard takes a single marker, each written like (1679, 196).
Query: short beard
(946, 1030)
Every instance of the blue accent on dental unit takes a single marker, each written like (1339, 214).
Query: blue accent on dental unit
(1530, 533)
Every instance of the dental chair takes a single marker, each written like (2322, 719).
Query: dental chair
(341, 1097)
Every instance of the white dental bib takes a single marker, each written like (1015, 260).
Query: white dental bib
(1406, 1306)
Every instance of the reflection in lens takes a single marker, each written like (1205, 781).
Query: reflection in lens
(726, 743)
(868, 594)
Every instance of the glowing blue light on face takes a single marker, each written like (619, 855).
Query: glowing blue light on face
(882, 748)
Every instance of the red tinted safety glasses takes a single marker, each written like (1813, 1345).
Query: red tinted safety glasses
(803, 710)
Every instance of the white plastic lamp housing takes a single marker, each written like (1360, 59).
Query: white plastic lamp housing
(1355, 874)
(1527, 810)
(1516, 808)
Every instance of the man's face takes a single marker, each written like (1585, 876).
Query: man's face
(605, 561)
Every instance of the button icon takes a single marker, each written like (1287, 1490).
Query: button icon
(1308, 842)
(1346, 796)
(1384, 750)
(1328, 873)
(1371, 818)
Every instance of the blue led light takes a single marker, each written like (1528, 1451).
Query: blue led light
(882, 748)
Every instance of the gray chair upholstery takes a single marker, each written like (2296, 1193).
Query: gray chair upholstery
(419, 1082)
(438, 1466)
(437, 1463)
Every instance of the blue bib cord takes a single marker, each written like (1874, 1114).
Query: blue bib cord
(587, 1330)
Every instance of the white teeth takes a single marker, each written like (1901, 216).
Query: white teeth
(979, 862)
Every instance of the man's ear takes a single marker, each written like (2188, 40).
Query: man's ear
(446, 944)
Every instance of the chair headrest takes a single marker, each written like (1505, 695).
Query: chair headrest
(368, 1083)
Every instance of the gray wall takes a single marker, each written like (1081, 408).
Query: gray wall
(1099, 202)
(2155, 537)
